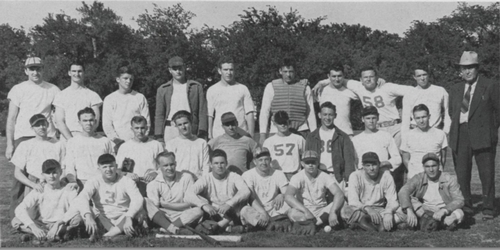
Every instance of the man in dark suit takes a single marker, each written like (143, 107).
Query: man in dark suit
(474, 110)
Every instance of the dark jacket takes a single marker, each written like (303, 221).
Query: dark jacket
(342, 151)
(483, 114)
(197, 104)
(417, 186)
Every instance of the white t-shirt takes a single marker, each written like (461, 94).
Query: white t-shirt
(325, 158)
(31, 154)
(382, 143)
(159, 190)
(285, 151)
(419, 143)
(32, 99)
(190, 155)
(71, 100)
(222, 98)
(143, 154)
(341, 98)
(179, 99)
(432, 196)
(311, 192)
(119, 109)
(82, 153)
(266, 188)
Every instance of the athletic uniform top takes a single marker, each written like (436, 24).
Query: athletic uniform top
(266, 188)
(222, 98)
(82, 153)
(341, 98)
(381, 143)
(239, 151)
(119, 109)
(143, 154)
(285, 151)
(162, 191)
(31, 99)
(325, 157)
(312, 192)
(191, 155)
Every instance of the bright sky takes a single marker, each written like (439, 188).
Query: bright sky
(394, 17)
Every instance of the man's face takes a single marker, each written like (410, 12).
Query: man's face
(263, 163)
(431, 169)
(327, 116)
(167, 166)
(310, 166)
(422, 78)
(52, 177)
(139, 130)
(76, 73)
(369, 79)
(288, 74)
(226, 72)
(108, 171)
(87, 122)
(219, 165)
(336, 78)
(230, 128)
(422, 119)
(282, 128)
(372, 169)
(370, 122)
(184, 126)
(125, 81)
(34, 73)
(178, 72)
(469, 73)
(40, 128)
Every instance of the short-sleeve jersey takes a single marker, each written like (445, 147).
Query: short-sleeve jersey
(312, 192)
(82, 154)
(160, 190)
(191, 155)
(341, 98)
(143, 154)
(265, 187)
(72, 100)
(239, 151)
(285, 151)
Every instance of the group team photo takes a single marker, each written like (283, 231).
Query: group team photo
(339, 156)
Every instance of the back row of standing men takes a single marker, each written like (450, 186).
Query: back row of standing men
(472, 127)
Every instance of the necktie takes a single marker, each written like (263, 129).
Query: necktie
(465, 102)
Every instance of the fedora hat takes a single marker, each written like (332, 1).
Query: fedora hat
(468, 58)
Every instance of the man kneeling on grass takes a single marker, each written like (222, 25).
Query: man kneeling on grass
(47, 214)
(118, 205)
(222, 195)
(306, 195)
(433, 198)
(372, 197)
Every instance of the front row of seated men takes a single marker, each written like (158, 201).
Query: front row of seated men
(223, 201)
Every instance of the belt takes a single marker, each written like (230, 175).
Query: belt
(388, 123)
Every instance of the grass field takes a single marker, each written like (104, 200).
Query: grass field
(480, 234)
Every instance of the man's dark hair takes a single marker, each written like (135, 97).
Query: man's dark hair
(77, 63)
(367, 68)
(124, 70)
(86, 110)
(138, 119)
(288, 62)
(217, 153)
(164, 154)
(182, 113)
(224, 59)
(328, 105)
(421, 107)
(106, 159)
(337, 66)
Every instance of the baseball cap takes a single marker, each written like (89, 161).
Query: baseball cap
(36, 118)
(228, 117)
(430, 156)
(50, 165)
(259, 152)
(33, 61)
(175, 61)
(370, 157)
(370, 110)
(281, 117)
(310, 155)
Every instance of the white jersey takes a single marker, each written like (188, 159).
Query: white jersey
(266, 188)
(381, 143)
(71, 100)
(419, 143)
(82, 153)
(32, 99)
(222, 98)
(364, 191)
(341, 98)
(190, 155)
(143, 154)
(312, 192)
(119, 109)
(325, 157)
(161, 191)
(31, 154)
(285, 151)
(179, 99)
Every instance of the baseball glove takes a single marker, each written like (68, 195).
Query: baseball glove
(279, 223)
(307, 227)
(208, 227)
(427, 223)
(128, 165)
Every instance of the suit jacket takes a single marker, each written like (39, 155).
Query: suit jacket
(484, 114)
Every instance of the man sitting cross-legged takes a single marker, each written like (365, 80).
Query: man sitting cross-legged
(47, 214)
(432, 195)
(372, 198)
(221, 194)
(306, 195)
(167, 192)
(118, 205)
(268, 187)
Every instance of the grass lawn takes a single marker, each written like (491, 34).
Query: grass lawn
(480, 234)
